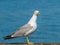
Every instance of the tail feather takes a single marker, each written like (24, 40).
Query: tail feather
(8, 37)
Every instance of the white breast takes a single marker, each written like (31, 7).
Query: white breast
(32, 22)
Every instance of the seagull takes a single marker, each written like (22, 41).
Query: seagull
(26, 29)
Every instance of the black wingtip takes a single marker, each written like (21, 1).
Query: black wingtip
(8, 37)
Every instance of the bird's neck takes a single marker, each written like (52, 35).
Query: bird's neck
(33, 19)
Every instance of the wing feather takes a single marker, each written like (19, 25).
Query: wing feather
(22, 30)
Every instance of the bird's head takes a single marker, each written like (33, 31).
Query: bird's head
(36, 12)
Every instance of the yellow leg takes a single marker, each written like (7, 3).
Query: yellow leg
(28, 40)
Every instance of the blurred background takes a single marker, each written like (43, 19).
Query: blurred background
(16, 13)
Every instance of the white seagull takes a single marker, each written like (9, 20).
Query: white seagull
(27, 29)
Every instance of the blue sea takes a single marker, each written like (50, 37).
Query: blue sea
(16, 13)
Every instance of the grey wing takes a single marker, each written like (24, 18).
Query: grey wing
(22, 30)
